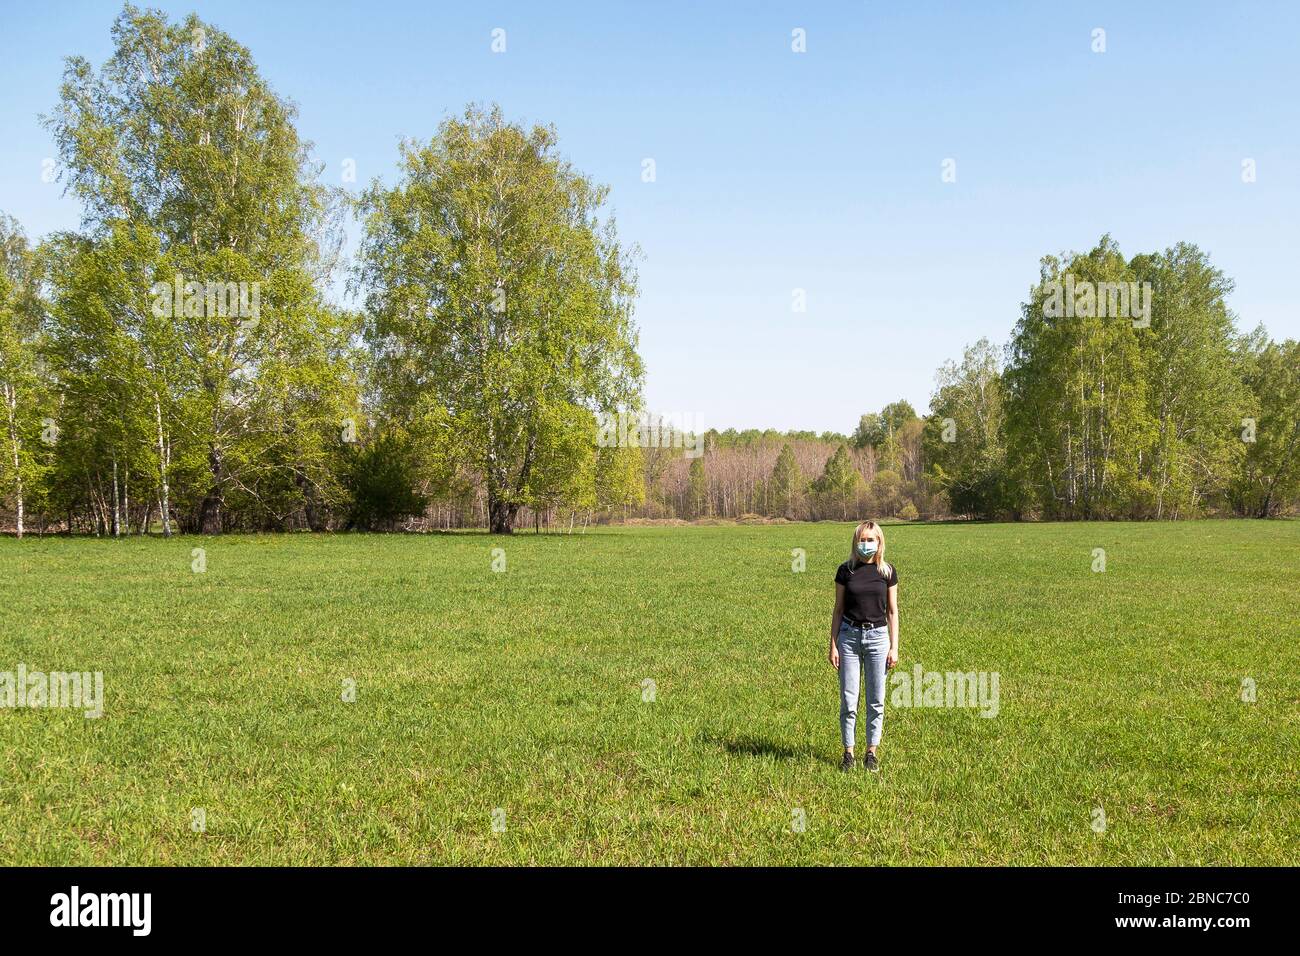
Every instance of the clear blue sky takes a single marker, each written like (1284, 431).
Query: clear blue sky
(778, 170)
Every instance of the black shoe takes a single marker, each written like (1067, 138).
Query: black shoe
(870, 762)
(847, 762)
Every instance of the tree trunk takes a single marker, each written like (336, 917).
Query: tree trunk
(312, 514)
(164, 461)
(11, 403)
(117, 504)
(501, 516)
(210, 510)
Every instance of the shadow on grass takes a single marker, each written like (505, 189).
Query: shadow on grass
(750, 746)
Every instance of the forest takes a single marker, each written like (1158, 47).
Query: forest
(181, 362)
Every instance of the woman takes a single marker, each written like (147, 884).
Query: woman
(864, 634)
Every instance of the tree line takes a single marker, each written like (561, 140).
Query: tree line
(177, 364)
(1172, 413)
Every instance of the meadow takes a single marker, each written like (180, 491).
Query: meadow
(653, 695)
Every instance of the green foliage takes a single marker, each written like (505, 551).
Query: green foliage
(620, 478)
(381, 477)
(886, 492)
(499, 302)
(698, 502)
(498, 321)
(1267, 452)
(193, 180)
(26, 402)
(786, 486)
(837, 489)
(1193, 394)
(875, 429)
(1076, 410)
(963, 437)
(1111, 417)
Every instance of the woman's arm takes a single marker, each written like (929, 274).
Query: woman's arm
(892, 658)
(833, 654)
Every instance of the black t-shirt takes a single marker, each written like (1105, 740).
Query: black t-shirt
(866, 592)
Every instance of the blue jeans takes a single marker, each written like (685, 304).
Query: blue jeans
(862, 649)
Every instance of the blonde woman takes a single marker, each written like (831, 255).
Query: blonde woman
(864, 635)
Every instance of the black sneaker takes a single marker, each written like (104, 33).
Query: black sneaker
(847, 762)
(870, 762)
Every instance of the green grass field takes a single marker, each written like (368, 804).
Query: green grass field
(522, 690)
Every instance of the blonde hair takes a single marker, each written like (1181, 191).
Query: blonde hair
(878, 559)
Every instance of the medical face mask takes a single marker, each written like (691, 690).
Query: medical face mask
(867, 549)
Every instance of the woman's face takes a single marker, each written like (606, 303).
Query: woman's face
(868, 542)
(870, 534)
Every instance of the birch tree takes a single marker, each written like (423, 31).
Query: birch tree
(1077, 418)
(22, 387)
(964, 436)
(1267, 475)
(195, 184)
(1193, 390)
(499, 305)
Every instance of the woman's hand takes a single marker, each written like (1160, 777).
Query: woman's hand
(834, 656)
(891, 659)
